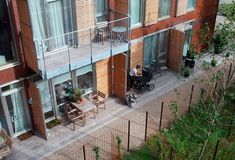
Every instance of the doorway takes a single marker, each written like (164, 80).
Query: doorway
(14, 105)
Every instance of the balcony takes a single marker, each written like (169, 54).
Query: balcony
(67, 52)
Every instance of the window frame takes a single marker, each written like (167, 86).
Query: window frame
(160, 10)
(14, 62)
(103, 13)
(141, 9)
(166, 31)
(189, 9)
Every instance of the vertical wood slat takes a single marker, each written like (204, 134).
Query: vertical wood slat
(136, 54)
(151, 12)
(181, 7)
(120, 75)
(104, 76)
(37, 110)
(175, 53)
(27, 35)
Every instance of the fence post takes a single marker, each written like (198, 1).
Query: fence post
(128, 138)
(146, 127)
(191, 97)
(160, 124)
(230, 69)
(216, 149)
(171, 153)
(84, 152)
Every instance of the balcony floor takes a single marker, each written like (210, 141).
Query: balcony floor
(59, 62)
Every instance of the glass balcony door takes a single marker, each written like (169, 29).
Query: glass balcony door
(15, 103)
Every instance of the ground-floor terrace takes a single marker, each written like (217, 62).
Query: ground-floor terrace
(62, 138)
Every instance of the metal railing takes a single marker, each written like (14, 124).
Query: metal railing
(72, 50)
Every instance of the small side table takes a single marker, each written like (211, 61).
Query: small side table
(119, 31)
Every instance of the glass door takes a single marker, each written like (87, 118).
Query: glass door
(19, 117)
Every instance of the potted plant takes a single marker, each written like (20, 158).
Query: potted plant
(213, 62)
(186, 72)
(190, 62)
(130, 99)
(76, 95)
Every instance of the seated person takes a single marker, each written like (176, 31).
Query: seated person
(135, 73)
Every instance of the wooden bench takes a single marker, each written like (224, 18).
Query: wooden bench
(5, 146)
(98, 98)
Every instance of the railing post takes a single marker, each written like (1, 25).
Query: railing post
(191, 97)
(128, 138)
(69, 57)
(91, 46)
(84, 152)
(160, 124)
(44, 61)
(146, 127)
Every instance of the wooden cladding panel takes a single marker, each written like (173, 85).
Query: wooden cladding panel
(85, 14)
(182, 7)
(104, 76)
(23, 12)
(37, 110)
(175, 53)
(121, 6)
(120, 75)
(27, 35)
(136, 55)
(151, 12)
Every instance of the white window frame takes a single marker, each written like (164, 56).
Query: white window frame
(137, 25)
(160, 9)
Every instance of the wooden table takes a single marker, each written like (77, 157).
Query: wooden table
(86, 107)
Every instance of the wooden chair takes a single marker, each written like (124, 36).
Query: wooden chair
(98, 98)
(5, 147)
(101, 31)
(74, 115)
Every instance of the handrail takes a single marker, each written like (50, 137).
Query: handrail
(80, 30)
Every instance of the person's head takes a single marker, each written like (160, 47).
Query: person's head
(138, 66)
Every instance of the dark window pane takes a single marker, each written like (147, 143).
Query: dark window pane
(6, 41)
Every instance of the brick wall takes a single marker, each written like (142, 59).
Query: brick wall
(151, 12)
(136, 54)
(85, 14)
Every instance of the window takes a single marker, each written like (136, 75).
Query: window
(7, 44)
(13, 103)
(62, 85)
(85, 79)
(191, 4)
(101, 10)
(150, 49)
(51, 19)
(136, 12)
(164, 8)
(155, 49)
(46, 100)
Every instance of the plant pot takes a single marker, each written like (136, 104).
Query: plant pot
(190, 63)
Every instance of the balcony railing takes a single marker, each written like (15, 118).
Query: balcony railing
(63, 53)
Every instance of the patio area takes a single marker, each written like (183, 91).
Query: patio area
(63, 134)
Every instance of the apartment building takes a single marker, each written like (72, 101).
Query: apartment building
(53, 45)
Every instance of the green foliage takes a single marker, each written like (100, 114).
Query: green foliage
(206, 65)
(213, 62)
(96, 149)
(228, 10)
(186, 72)
(76, 95)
